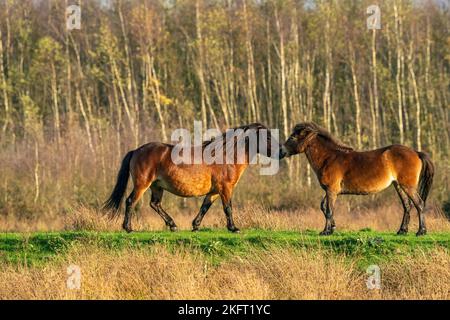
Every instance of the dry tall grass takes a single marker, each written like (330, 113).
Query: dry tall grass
(274, 274)
(383, 218)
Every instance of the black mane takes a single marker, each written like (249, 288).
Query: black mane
(322, 132)
(245, 128)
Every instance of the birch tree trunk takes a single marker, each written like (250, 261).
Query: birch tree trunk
(56, 120)
(86, 119)
(375, 90)
(205, 103)
(79, 99)
(398, 74)
(356, 96)
(270, 114)
(281, 56)
(251, 79)
(200, 72)
(4, 85)
(68, 77)
(326, 100)
(132, 101)
(156, 94)
(416, 96)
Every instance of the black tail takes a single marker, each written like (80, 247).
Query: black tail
(112, 205)
(426, 175)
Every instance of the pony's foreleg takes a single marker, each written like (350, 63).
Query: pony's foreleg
(155, 204)
(323, 207)
(419, 204)
(328, 205)
(209, 200)
(228, 209)
(407, 204)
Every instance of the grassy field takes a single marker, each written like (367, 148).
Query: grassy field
(367, 246)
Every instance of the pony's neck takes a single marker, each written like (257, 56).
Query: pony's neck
(239, 160)
(318, 152)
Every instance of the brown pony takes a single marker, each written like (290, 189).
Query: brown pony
(342, 170)
(151, 166)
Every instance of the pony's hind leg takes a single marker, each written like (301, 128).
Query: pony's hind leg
(155, 204)
(132, 199)
(209, 200)
(228, 208)
(407, 205)
(419, 204)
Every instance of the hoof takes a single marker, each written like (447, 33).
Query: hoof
(402, 232)
(173, 228)
(127, 227)
(195, 226)
(128, 230)
(421, 232)
(234, 230)
(326, 233)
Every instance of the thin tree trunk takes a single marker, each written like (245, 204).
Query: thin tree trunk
(117, 79)
(269, 77)
(428, 88)
(36, 171)
(356, 97)
(310, 86)
(222, 89)
(57, 124)
(251, 78)
(68, 79)
(156, 93)
(85, 119)
(416, 98)
(281, 55)
(375, 90)
(200, 72)
(129, 77)
(4, 85)
(79, 100)
(398, 74)
(372, 115)
(326, 100)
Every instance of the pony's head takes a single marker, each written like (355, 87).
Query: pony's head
(259, 138)
(254, 138)
(299, 139)
(263, 139)
(302, 136)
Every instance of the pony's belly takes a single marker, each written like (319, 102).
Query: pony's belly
(191, 187)
(368, 185)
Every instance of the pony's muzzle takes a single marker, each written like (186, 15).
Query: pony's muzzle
(283, 153)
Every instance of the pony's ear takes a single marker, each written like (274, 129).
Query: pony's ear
(298, 129)
(303, 128)
(303, 131)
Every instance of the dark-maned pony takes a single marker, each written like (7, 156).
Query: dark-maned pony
(151, 167)
(342, 170)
